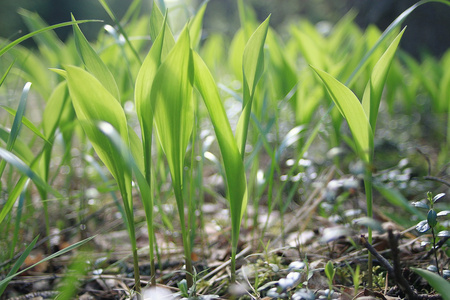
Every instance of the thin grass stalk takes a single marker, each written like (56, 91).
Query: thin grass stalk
(18, 221)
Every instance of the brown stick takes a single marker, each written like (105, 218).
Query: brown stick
(393, 272)
(401, 281)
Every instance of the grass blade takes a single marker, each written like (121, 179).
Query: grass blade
(16, 266)
(27, 36)
(6, 73)
(28, 172)
(56, 254)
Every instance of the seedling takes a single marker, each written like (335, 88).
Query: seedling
(432, 221)
(330, 272)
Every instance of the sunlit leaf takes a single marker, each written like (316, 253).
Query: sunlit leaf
(172, 104)
(92, 103)
(195, 28)
(372, 94)
(352, 110)
(93, 62)
(252, 68)
(233, 164)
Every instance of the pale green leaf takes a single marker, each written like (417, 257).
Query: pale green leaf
(252, 68)
(93, 62)
(195, 28)
(54, 109)
(372, 93)
(142, 90)
(156, 23)
(253, 60)
(172, 104)
(233, 164)
(351, 109)
(93, 103)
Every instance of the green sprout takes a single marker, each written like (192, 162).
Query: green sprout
(432, 221)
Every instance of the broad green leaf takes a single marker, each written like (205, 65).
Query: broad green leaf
(441, 285)
(252, 68)
(93, 62)
(372, 94)
(136, 149)
(235, 53)
(195, 28)
(351, 109)
(27, 36)
(233, 164)
(253, 60)
(93, 103)
(142, 91)
(172, 104)
(157, 20)
(310, 50)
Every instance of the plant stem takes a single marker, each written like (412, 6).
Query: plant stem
(137, 277)
(184, 232)
(369, 201)
(435, 251)
(233, 266)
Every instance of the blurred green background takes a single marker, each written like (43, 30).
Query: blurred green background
(427, 26)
